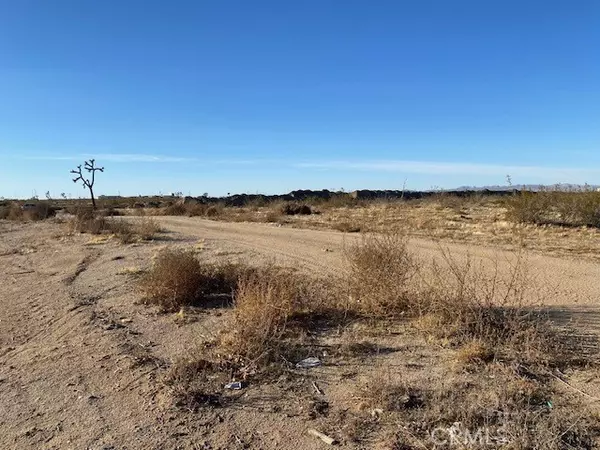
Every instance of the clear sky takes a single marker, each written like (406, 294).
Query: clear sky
(273, 95)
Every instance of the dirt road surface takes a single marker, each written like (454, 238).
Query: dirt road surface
(80, 358)
(563, 281)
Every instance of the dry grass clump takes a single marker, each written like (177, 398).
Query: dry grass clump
(146, 228)
(475, 352)
(337, 200)
(294, 208)
(176, 209)
(178, 279)
(558, 207)
(87, 221)
(347, 227)
(274, 311)
(387, 391)
(264, 302)
(38, 211)
(456, 301)
(193, 210)
(380, 274)
(494, 408)
(175, 280)
(482, 309)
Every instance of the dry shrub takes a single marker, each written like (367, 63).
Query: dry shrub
(39, 211)
(264, 302)
(175, 280)
(193, 210)
(475, 352)
(178, 279)
(214, 210)
(147, 228)
(496, 408)
(337, 200)
(455, 300)
(482, 306)
(571, 208)
(380, 272)
(294, 208)
(386, 390)
(11, 211)
(273, 217)
(274, 308)
(87, 220)
(177, 209)
(347, 227)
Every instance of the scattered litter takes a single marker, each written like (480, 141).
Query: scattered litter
(308, 363)
(327, 439)
(235, 385)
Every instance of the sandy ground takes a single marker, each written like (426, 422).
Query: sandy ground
(565, 284)
(81, 360)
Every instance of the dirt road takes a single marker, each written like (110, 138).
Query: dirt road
(570, 287)
(574, 283)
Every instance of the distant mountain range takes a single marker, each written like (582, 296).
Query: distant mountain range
(528, 187)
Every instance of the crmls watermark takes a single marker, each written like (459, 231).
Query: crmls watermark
(459, 436)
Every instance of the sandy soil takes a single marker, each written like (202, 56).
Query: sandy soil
(81, 361)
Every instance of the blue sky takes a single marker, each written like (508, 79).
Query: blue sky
(268, 96)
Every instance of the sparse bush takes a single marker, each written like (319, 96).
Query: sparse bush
(559, 207)
(479, 304)
(521, 412)
(147, 228)
(178, 279)
(175, 280)
(87, 221)
(347, 227)
(387, 391)
(379, 276)
(264, 302)
(293, 208)
(453, 300)
(273, 217)
(177, 209)
(337, 200)
(34, 211)
(475, 352)
(11, 211)
(193, 210)
(214, 211)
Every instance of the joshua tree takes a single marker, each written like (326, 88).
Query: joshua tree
(87, 183)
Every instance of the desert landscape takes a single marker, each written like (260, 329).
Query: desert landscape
(298, 225)
(442, 322)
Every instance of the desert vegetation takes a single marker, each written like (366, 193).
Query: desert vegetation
(554, 220)
(86, 220)
(451, 346)
(474, 322)
(27, 211)
(88, 183)
(573, 208)
(388, 350)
